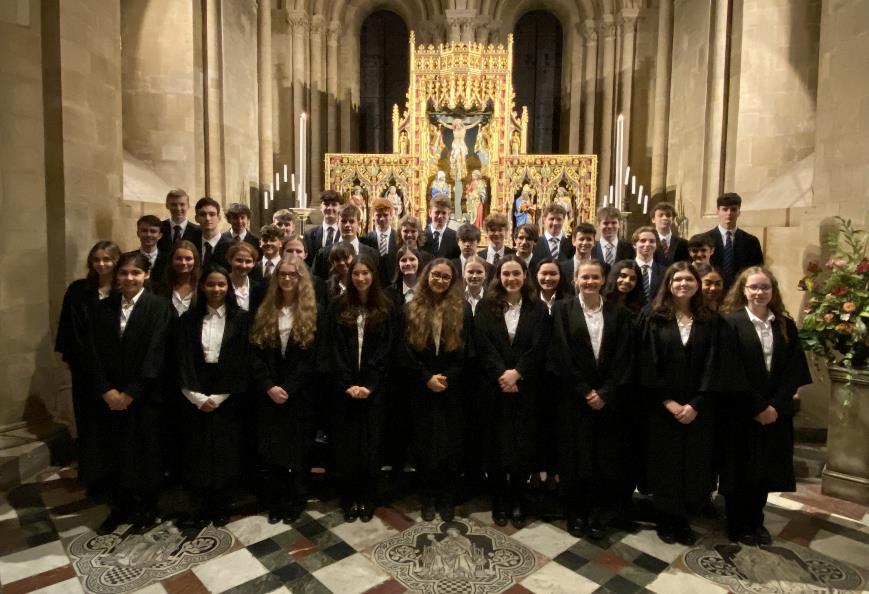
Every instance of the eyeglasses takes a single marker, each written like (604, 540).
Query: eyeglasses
(763, 288)
(288, 275)
(444, 276)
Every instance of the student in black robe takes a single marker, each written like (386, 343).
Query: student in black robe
(436, 340)
(590, 353)
(284, 377)
(359, 341)
(511, 331)
(242, 257)
(759, 421)
(677, 364)
(403, 284)
(213, 348)
(340, 257)
(295, 246)
(125, 364)
(74, 340)
(711, 284)
(623, 286)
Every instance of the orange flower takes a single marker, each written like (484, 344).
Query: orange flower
(843, 328)
(828, 317)
(849, 306)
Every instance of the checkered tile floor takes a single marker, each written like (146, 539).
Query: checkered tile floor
(321, 553)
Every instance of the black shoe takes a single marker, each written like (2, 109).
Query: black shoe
(428, 513)
(351, 512)
(748, 538)
(763, 536)
(366, 512)
(518, 517)
(666, 533)
(448, 513)
(112, 521)
(292, 514)
(499, 517)
(576, 527)
(595, 529)
(685, 536)
(274, 516)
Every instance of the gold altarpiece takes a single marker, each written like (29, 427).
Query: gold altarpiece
(460, 135)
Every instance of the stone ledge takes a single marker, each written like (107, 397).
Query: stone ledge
(29, 450)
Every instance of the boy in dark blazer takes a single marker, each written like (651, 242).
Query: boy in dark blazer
(212, 246)
(177, 227)
(348, 220)
(238, 217)
(735, 249)
(148, 231)
(440, 240)
(383, 239)
(609, 249)
(671, 247)
(645, 243)
(496, 228)
(554, 242)
(327, 233)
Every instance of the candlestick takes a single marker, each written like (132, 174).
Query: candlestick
(293, 182)
(646, 204)
(266, 199)
(627, 174)
(640, 195)
(613, 197)
(277, 181)
(634, 185)
(285, 173)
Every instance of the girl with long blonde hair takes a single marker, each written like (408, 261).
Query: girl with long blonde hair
(283, 375)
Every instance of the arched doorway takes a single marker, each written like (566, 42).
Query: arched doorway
(383, 78)
(537, 42)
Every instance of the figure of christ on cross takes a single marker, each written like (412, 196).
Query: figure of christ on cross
(458, 148)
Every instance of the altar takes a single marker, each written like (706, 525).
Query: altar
(459, 135)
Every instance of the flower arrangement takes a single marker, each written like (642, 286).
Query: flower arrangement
(834, 326)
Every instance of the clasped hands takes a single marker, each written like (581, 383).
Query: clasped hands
(594, 400)
(767, 416)
(684, 413)
(509, 381)
(358, 392)
(437, 383)
(117, 400)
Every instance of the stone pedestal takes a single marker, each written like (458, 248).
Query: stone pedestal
(846, 474)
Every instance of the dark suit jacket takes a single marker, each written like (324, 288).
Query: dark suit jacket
(746, 252)
(677, 251)
(314, 242)
(567, 272)
(565, 249)
(321, 262)
(507, 251)
(249, 238)
(191, 234)
(388, 264)
(658, 271)
(449, 245)
(624, 251)
(218, 255)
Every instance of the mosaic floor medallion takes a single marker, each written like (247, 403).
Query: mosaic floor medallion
(124, 561)
(456, 557)
(781, 568)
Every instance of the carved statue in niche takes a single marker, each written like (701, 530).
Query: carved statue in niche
(524, 207)
(563, 197)
(515, 143)
(396, 198)
(477, 198)
(483, 146)
(440, 185)
(403, 143)
(358, 199)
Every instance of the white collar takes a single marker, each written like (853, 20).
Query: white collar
(275, 261)
(406, 288)
(441, 230)
(213, 241)
(667, 236)
(493, 251)
(559, 237)
(604, 241)
(516, 307)
(219, 312)
(380, 232)
(724, 231)
(640, 262)
(182, 224)
(770, 317)
(240, 236)
(132, 302)
(327, 226)
(150, 255)
(243, 288)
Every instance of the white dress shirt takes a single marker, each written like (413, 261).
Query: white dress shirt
(470, 298)
(615, 249)
(407, 292)
(594, 322)
(360, 337)
(127, 309)
(336, 237)
(764, 334)
(173, 224)
(285, 326)
(213, 325)
(242, 294)
(511, 319)
(181, 304)
(490, 254)
(685, 329)
(440, 234)
(213, 241)
(550, 301)
(152, 256)
(723, 232)
(265, 263)
(240, 236)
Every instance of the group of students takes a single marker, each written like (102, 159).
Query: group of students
(614, 367)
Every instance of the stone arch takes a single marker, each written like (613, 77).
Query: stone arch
(508, 12)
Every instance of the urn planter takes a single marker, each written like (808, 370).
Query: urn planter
(846, 473)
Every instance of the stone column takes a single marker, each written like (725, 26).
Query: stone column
(212, 57)
(716, 107)
(332, 84)
(661, 115)
(576, 55)
(300, 24)
(590, 35)
(608, 30)
(627, 25)
(482, 32)
(264, 88)
(316, 160)
(460, 24)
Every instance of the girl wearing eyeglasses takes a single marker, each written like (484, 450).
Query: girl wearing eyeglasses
(759, 448)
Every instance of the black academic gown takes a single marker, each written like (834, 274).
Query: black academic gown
(213, 440)
(356, 424)
(126, 447)
(760, 457)
(437, 416)
(73, 341)
(510, 437)
(592, 443)
(286, 431)
(679, 458)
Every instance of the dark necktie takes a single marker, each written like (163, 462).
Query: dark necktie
(208, 252)
(437, 240)
(383, 244)
(647, 283)
(270, 266)
(177, 235)
(496, 258)
(553, 247)
(330, 236)
(665, 246)
(236, 237)
(727, 262)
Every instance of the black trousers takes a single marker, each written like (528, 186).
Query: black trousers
(744, 511)
(509, 488)
(437, 485)
(285, 489)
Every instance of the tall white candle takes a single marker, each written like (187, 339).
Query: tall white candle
(640, 195)
(646, 204)
(277, 181)
(627, 174)
(613, 197)
(285, 173)
(266, 199)
(293, 182)
(634, 185)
